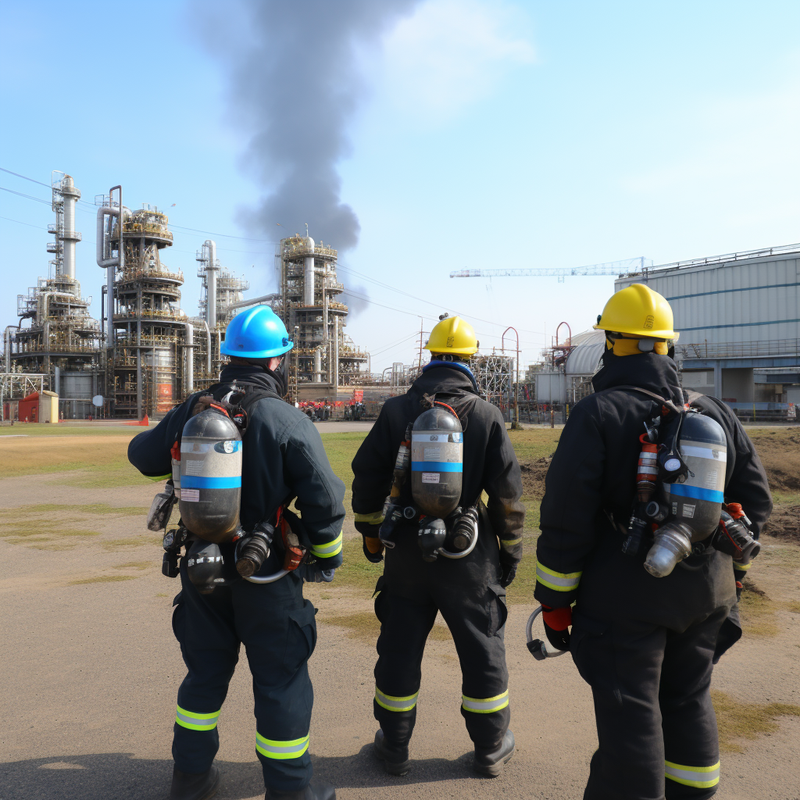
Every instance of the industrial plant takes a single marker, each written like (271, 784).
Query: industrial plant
(145, 353)
(737, 315)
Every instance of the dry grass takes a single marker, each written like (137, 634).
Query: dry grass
(364, 627)
(737, 721)
(102, 460)
(103, 579)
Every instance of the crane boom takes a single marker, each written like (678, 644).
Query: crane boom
(609, 268)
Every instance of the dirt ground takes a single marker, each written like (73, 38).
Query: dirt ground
(90, 670)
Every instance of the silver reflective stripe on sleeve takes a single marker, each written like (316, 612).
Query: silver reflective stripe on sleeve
(484, 705)
(698, 777)
(196, 722)
(281, 750)
(558, 581)
(392, 703)
(329, 549)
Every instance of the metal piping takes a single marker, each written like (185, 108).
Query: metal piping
(8, 347)
(211, 282)
(267, 298)
(208, 345)
(69, 236)
(189, 346)
(308, 275)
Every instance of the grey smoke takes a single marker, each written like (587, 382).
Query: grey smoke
(295, 82)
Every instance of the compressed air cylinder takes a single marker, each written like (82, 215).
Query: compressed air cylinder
(696, 504)
(437, 462)
(211, 476)
(698, 501)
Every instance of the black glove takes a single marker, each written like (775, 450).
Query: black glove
(507, 574)
(556, 625)
(314, 573)
(370, 541)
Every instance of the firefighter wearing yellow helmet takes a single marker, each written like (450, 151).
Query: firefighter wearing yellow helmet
(434, 451)
(645, 643)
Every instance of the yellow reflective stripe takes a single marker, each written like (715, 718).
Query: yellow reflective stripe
(698, 777)
(558, 581)
(196, 722)
(375, 518)
(329, 549)
(392, 703)
(484, 705)
(742, 567)
(281, 750)
(510, 542)
(159, 477)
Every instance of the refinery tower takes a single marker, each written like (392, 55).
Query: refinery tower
(324, 358)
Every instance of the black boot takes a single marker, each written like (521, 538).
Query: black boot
(194, 785)
(314, 791)
(490, 760)
(394, 756)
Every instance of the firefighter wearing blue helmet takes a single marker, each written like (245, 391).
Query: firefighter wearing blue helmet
(283, 460)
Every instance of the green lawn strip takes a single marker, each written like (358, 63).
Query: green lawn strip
(737, 721)
(46, 429)
(61, 508)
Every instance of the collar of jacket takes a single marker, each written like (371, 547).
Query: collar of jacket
(650, 371)
(443, 376)
(250, 373)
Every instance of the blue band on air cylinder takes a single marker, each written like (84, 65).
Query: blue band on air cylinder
(435, 466)
(201, 482)
(696, 492)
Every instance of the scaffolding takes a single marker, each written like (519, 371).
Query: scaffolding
(146, 371)
(60, 335)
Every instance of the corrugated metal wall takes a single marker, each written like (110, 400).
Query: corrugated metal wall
(747, 300)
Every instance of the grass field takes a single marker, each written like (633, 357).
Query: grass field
(95, 457)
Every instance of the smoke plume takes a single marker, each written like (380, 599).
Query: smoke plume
(295, 83)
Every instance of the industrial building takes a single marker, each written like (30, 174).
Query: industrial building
(739, 321)
(739, 325)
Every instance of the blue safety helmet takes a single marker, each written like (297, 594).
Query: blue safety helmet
(256, 333)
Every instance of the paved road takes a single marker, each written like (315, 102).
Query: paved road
(90, 670)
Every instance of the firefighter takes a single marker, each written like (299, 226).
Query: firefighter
(646, 645)
(469, 591)
(283, 459)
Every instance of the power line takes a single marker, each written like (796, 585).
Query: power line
(25, 177)
(28, 196)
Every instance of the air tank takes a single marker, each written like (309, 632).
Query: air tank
(211, 476)
(695, 505)
(437, 462)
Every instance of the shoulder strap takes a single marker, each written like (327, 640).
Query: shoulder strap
(664, 401)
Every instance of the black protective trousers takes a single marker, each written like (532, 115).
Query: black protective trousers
(652, 705)
(475, 612)
(278, 629)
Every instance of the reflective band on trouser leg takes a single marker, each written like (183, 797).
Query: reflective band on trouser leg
(275, 748)
(329, 549)
(392, 703)
(196, 722)
(484, 705)
(698, 777)
(558, 581)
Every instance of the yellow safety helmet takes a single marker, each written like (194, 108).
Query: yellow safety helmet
(452, 335)
(637, 310)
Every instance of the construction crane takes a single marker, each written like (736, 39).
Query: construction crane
(609, 268)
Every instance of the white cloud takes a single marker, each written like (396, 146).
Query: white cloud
(451, 53)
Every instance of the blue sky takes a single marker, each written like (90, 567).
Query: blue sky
(477, 134)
